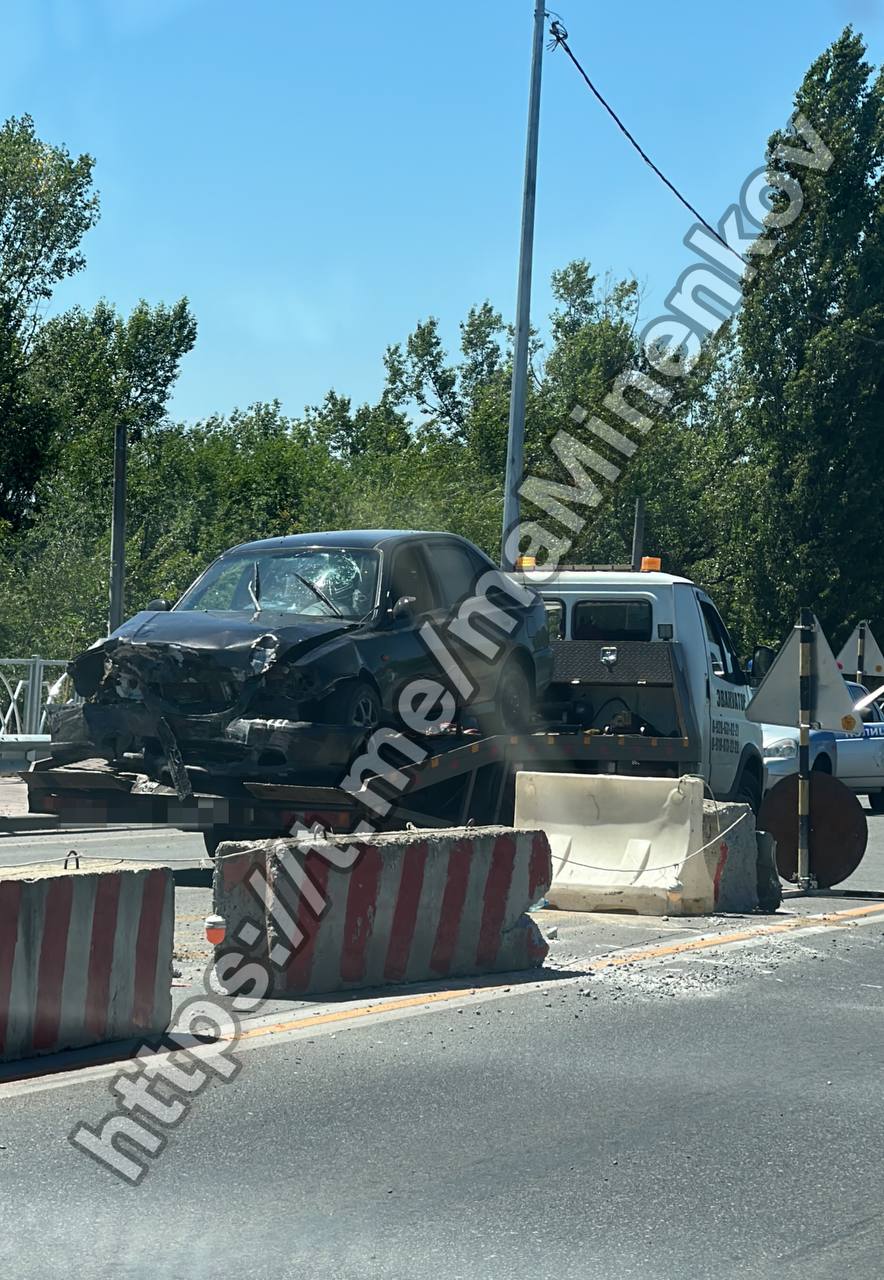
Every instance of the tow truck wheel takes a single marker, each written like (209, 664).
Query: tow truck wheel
(217, 835)
(749, 792)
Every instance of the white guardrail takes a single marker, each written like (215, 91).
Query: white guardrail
(27, 685)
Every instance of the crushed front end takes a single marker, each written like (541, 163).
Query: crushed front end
(179, 713)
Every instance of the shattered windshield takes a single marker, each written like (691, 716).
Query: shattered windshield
(319, 581)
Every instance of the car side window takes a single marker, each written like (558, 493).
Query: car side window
(455, 571)
(721, 648)
(409, 578)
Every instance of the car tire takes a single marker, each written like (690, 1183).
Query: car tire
(876, 801)
(513, 703)
(355, 705)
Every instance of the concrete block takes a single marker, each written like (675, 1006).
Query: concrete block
(650, 846)
(404, 907)
(85, 957)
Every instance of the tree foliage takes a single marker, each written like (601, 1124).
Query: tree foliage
(760, 479)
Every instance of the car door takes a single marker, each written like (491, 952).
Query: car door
(457, 569)
(398, 653)
(861, 760)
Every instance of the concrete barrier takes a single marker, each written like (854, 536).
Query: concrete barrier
(646, 845)
(85, 957)
(407, 907)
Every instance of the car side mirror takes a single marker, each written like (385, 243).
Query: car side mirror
(404, 607)
(762, 661)
(159, 606)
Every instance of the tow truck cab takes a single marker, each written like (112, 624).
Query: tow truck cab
(647, 653)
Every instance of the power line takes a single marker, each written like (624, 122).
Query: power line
(560, 41)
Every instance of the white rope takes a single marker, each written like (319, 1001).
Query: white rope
(669, 866)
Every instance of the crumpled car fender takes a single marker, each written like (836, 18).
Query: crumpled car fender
(320, 671)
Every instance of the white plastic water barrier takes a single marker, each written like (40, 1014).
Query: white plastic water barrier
(626, 844)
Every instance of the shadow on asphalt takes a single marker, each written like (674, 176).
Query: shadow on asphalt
(193, 878)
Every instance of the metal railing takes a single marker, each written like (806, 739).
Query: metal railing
(26, 686)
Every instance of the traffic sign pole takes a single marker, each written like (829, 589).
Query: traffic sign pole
(807, 638)
(860, 653)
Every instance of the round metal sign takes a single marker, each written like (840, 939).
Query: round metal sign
(838, 828)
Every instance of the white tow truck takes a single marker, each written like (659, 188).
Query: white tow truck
(647, 654)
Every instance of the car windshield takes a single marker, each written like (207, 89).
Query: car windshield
(317, 581)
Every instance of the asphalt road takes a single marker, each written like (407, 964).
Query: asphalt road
(683, 1113)
(139, 844)
(715, 1115)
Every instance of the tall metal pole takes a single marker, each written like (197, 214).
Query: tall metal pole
(515, 449)
(118, 529)
(806, 714)
(638, 533)
(861, 653)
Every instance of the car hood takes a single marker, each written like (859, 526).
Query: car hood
(190, 640)
(194, 629)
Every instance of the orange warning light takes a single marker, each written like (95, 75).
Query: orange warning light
(216, 930)
(651, 564)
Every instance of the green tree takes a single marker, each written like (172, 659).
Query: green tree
(46, 207)
(801, 424)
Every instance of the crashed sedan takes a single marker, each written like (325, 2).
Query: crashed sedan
(288, 650)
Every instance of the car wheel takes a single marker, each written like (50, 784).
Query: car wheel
(356, 705)
(876, 801)
(513, 703)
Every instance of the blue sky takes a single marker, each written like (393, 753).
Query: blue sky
(316, 177)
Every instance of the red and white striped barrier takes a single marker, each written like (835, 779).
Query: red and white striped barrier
(85, 957)
(411, 906)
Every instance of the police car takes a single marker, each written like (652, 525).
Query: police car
(857, 762)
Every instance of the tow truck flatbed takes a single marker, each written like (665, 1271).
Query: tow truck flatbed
(462, 775)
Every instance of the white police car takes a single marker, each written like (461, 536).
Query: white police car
(857, 762)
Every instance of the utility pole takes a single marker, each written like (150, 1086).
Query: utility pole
(118, 529)
(638, 533)
(515, 449)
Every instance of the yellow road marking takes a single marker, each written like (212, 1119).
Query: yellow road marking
(833, 919)
(362, 1011)
(618, 959)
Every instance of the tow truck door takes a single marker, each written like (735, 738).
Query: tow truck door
(728, 696)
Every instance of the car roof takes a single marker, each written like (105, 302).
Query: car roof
(363, 539)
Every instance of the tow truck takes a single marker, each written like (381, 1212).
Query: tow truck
(646, 681)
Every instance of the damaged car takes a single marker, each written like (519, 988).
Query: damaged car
(288, 651)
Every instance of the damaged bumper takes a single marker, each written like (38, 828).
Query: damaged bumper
(176, 751)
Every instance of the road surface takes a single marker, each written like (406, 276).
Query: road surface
(653, 1107)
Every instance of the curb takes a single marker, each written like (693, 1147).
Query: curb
(28, 822)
